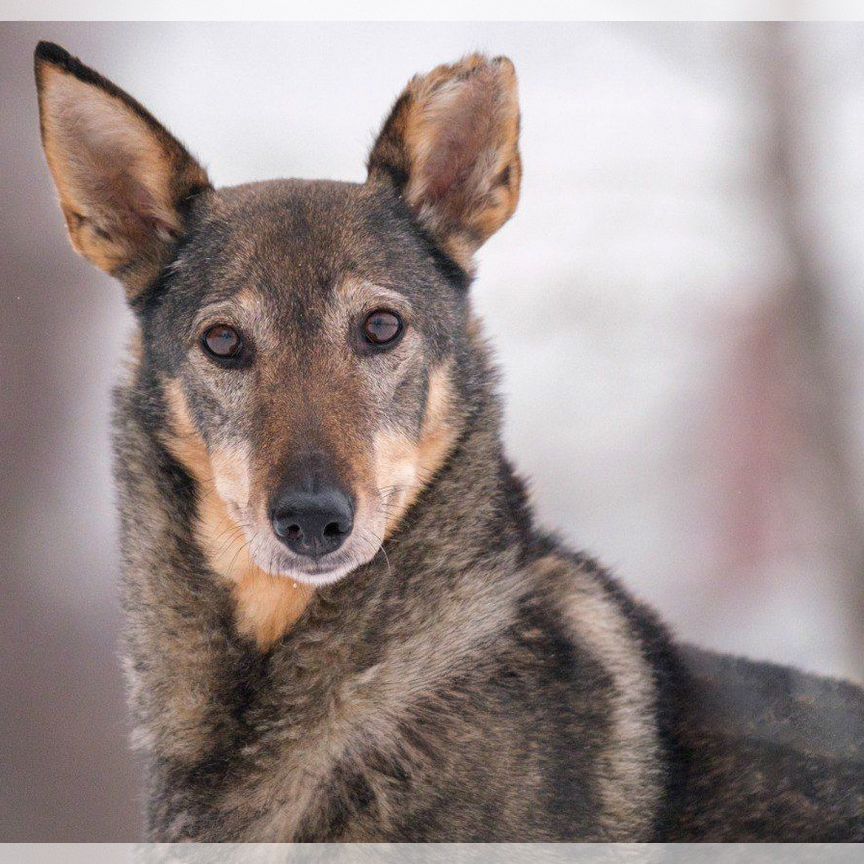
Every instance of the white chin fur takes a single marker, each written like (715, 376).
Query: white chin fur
(280, 565)
(327, 577)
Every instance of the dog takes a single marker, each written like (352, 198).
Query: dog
(342, 623)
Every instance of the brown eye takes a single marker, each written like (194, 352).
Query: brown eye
(222, 341)
(382, 328)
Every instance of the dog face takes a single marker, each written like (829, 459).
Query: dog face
(308, 340)
(308, 334)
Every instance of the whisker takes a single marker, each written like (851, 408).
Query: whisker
(234, 559)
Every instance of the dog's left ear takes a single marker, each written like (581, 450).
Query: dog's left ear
(125, 183)
(451, 148)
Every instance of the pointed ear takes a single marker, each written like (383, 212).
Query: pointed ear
(124, 182)
(451, 147)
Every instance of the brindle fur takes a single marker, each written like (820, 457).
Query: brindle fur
(471, 679)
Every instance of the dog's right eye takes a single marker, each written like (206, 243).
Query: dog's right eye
(382, 328)
(222, 342)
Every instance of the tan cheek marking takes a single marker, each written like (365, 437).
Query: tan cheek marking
(182, 437)
(231, 473)
(266, 607)
(411, 465)
(396, 476)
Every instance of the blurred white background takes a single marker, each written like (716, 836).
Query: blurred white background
(678, 308)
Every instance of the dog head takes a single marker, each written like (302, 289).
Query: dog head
(308, 340)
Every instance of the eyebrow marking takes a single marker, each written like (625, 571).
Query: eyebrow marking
(243, 308)
(212, 310)
(354, 288)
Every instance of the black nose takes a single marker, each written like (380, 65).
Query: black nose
(313, 523)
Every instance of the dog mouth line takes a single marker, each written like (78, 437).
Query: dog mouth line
(362, 548)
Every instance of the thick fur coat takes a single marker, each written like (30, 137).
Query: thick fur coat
(450, 673)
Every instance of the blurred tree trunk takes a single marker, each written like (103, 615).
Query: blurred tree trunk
(824, 405)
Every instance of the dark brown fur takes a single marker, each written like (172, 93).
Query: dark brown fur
(457, 674)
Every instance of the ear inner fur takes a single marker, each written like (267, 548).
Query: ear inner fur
(266, 606)
(123, 181)
(450, 145)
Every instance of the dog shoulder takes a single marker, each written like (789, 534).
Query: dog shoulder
(622, 639)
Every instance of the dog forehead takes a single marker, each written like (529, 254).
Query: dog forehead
(302, 223)
(296, 240)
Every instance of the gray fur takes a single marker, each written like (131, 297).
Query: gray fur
(472, 680)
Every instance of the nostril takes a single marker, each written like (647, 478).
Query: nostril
(286, 526)
(333, 529)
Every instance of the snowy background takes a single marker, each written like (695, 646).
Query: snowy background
(678, 307)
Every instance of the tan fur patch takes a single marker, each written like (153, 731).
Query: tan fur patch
(404, 467)
(266, 606)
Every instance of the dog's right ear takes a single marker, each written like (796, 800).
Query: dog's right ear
(125, 183)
